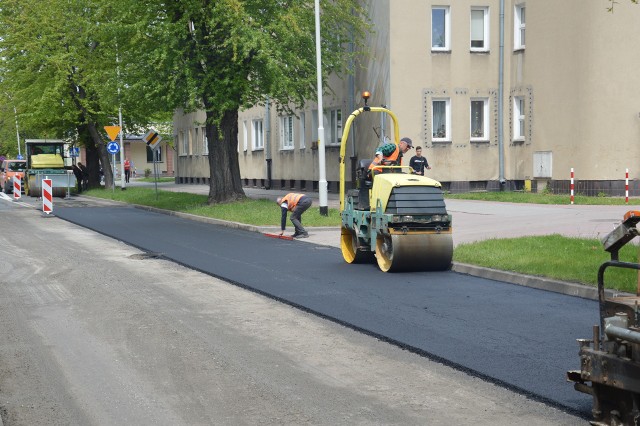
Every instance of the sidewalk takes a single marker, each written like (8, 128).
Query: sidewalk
(472, 221)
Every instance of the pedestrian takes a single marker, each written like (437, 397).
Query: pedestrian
(390, 154)
(127, 170)
(418, 163)
(85, 175)
(296, 204)
(78, 174)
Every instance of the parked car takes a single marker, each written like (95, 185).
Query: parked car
(8, 170)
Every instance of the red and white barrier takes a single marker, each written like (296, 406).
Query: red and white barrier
(572, 185)
(626, 187)
(17, 187)
(47, 196)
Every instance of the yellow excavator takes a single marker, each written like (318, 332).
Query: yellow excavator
(393, 217)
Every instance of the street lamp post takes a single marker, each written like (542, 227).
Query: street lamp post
(322, 183)
(15, 112)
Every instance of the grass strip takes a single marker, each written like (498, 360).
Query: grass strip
(552, 256)
(541, 198)
(260, 212)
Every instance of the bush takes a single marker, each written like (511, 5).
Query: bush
(147, 173)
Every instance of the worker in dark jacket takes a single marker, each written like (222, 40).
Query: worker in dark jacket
(78, 174)
(296, 204)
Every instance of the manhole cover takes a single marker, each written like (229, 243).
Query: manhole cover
(143, 256)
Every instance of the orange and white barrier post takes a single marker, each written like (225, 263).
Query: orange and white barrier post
(17, 187)
(47, 198)
(572, 185)
(626, 186)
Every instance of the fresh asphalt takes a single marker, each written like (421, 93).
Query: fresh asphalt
(518, 337)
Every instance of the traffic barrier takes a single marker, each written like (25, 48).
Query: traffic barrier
(626, 187)
(47, 196)
(572, 185)
(17, 187)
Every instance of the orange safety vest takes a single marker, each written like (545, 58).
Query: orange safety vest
(391, 159)
(292, 200)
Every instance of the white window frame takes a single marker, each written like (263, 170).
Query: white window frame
(485, 119)
(185, 143)
(518, 119)
(332, 122)
(447, 29)
(486, 32)
(519, 26)
(303, 130)
(245, 136)
(447, 135)
(205, 140)
(257, 134)
(196, 139)
(286, 132)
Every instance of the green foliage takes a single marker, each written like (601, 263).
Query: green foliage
(552, 256)
(540, 198)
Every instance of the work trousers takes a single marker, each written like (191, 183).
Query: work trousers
(296, 214)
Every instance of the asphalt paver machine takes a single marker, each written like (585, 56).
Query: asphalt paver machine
(610, 361)
(395, 217)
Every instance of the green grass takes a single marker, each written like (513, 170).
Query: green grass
(552, 256)
(257, 212)
(151, 179)
(540, 198)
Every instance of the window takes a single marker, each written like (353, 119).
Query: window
(518, 118)
(440, 28)
(480, 29)
(332, 126)
(519, 27)
(479, 119)
(245, 135)
(196, 138)
(205, 141)
(303, 130)
(286, 132)
(441, 120)
(158, 153)
(257, 136)
(334, 135)
(185, 143)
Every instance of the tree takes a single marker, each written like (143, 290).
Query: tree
(59, 68)
(225, 55)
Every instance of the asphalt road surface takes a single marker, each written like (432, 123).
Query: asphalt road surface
(519, 337)
(96, 332)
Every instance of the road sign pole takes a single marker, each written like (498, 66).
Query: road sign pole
(122, 158)
(113, 160)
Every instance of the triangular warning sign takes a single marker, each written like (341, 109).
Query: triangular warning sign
(112, 131)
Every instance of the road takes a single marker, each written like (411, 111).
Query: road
(96, 332)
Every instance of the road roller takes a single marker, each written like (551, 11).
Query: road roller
(46, 159)
(393, 217)
(610, 360)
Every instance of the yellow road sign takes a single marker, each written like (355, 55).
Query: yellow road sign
(152, 138)
(112, 131)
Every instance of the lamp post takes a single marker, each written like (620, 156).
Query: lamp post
(15, 112)
(322, 178)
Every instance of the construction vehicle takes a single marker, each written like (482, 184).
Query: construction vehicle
(394, 217)
(46, 159)
(610, 361)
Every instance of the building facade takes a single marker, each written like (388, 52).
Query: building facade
(558, 91)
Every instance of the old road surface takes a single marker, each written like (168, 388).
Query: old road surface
(95, 331)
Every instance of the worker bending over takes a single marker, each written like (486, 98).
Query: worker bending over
(296, 204)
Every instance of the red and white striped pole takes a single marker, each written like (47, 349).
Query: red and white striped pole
(17, 188)
(47, 198)
(572, 185)
(626, 186)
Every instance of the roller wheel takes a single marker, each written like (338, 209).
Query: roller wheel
(349, 246)
(414, 252)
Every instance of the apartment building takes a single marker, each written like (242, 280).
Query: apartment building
(559, 90)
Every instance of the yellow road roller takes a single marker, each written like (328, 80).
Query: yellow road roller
(393, 217)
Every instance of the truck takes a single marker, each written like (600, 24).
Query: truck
(48, 158)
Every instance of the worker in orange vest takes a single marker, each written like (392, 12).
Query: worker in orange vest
(296, 204)
(390, 154)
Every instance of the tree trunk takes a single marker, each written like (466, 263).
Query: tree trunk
(225, 184)
(101, 154)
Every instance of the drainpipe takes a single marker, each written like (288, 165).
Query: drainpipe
(268, 144)
(352, 107)
(501, 100)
